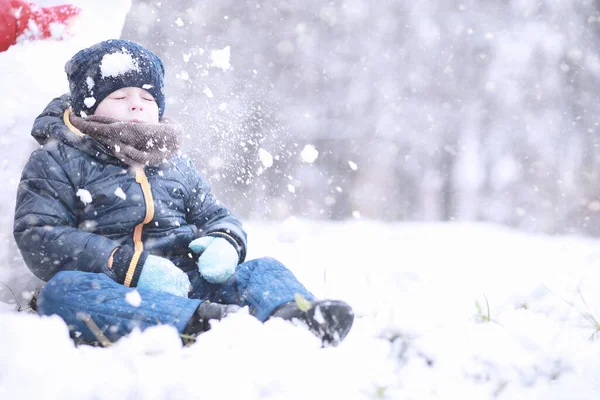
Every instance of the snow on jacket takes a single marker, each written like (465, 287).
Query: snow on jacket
(79, 207)
(23, 19)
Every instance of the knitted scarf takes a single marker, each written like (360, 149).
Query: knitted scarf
(134, 143)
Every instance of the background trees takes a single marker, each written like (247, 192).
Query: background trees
(418, 110)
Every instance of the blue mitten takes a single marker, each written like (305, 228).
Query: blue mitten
(218, 258)
(161, 274)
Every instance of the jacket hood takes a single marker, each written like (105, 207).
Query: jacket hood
(50, 125)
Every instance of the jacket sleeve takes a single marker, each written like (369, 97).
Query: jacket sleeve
(45, 226)
(211, 217)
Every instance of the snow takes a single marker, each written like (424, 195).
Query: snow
(220, 58)
(208, 93)
(309, 154)
(134, 298)
(421, 294)
(265, 158)
(58, 30)
(89, 101)
(84, 196)
(469, 311)
(120, 193)
(119, 63)
(90, 82)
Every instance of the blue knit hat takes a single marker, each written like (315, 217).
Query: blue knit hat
(99, 70)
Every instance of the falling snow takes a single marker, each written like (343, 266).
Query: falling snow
(265, 158)
(309, 154)
(208, 93)
(220, 58)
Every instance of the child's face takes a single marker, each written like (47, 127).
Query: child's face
(130, 104)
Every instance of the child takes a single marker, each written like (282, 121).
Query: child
(108, 203)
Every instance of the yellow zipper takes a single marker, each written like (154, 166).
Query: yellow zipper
(138, 245)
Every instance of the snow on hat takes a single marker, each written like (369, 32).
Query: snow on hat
(99, 70)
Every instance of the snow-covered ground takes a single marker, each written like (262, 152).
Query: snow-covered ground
(444, 311)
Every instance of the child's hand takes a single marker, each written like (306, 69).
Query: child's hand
(161, 274)
(218, 258)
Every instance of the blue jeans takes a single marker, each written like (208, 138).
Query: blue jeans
(262, 284)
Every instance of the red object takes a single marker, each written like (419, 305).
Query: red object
(23, 19)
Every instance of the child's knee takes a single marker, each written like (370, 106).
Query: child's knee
(64, 283)
(262, 263)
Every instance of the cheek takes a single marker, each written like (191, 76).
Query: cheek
(109, 109)
(152, 111)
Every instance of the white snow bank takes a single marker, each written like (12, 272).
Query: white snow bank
(421, 293)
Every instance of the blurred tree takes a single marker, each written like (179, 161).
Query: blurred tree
(418, 110)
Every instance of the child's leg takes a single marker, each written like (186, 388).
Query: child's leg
(81, 297)
(262, 284)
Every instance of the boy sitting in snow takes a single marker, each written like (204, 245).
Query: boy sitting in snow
(108, 203)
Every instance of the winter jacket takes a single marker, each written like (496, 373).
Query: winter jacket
(19, 18)
(80, 208)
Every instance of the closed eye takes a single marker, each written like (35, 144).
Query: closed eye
(147, 99)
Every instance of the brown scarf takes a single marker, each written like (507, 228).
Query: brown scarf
(134, 143)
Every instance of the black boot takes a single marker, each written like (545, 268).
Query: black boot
(204, 313)
(329, 320)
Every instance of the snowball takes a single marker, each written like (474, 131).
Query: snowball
(116, 64)
(120, 193)
(84, 196)
(220, 58)
(309, 154)
(265, 158)
(133, 298)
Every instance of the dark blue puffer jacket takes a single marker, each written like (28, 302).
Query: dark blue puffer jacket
(132, 213)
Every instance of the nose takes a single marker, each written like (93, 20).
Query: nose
(136, 104)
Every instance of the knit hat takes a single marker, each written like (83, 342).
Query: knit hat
(99, 70)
